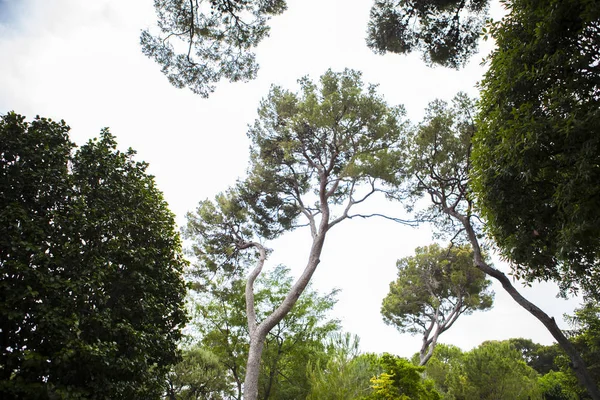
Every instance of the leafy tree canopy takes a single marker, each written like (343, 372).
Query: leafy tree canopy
(200, 42)
(558, 385)
(199, 376)
(537, 149)
(493, 370)
(401, 380)
(445, 31)
(90, 278)
(434, 287)
(314, 155)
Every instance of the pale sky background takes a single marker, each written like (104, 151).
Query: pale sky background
(80, 60)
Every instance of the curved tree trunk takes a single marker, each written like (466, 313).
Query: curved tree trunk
(259, 332)
(577, 363)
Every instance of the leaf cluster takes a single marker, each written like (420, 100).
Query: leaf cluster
(493, 370)
(445, 31)
(200, 42)
(401, 380)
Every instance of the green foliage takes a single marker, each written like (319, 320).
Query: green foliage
(345, 375)
(435, 282)
(294, 342)
(350, 375)
(438, 165)
(90, 282)
(222, 325)
(541, 358)
(219, 230)
(435, 287)
(199, 376)
(292, 345)
(557, 385)
(585, 336)
(536, 152)
(494, 370)
(446, 31)
(445, 360)
(200, 42)
(401, 380)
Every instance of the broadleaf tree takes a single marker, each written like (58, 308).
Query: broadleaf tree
(91, 281)
(433, 289)
(314, 155)
(537, 150)
(438, 159)
(199, 42)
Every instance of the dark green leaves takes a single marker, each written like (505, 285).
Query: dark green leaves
(90, 268)
(537, 151)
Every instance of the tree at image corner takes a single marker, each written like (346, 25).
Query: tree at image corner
(314, 155)
(446, 32)
(91, 289)
(536, 153)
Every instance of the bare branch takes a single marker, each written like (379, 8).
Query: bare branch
(413, 223)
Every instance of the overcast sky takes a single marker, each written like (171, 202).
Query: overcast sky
(80, 61)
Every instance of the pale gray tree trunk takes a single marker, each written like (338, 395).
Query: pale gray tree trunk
(259, 332)
(442, 326)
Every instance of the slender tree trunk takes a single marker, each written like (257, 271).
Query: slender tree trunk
(257, 342)
(577, 362)
(258, 332)
(427, 348)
